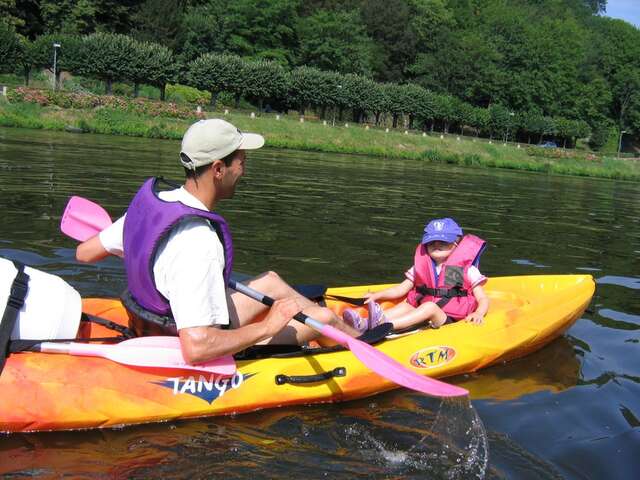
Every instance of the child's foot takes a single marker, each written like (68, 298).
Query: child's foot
(376, 314)
(352, 318)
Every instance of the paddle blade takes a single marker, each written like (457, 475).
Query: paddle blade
(82, 219)
(139, 353)
(225, 365)
(387, 367)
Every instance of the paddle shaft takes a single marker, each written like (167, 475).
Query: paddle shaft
(268, 301)
(372, 358)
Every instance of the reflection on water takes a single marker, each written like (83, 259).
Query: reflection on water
(410, 438)
(568, 411)
(555, 368)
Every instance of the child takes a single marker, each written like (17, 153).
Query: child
(444, 285)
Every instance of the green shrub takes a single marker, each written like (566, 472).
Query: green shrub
(183, 93)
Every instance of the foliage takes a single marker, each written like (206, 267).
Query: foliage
(335, 40)
(89, 101)
(265, 80)
(543, 59)
(216, 73)
(11, 51)
(108, 57)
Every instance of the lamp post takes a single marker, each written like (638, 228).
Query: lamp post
(622, 132)
(56, 46)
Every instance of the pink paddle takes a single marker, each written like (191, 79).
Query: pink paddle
(82, 219)
(374, 359)
(152, 352)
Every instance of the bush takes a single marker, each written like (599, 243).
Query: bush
(183, 93)
(85, 101)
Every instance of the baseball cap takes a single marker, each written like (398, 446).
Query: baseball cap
(441, 229)
(209, 140)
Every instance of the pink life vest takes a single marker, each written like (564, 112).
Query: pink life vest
(451, 290)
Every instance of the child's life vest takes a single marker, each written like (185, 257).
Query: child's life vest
(451, 290)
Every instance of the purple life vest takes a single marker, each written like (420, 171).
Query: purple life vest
(451, 290)
(149, 219)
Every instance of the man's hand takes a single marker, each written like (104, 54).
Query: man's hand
(281, 314)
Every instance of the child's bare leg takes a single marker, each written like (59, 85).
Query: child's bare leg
(405, 315)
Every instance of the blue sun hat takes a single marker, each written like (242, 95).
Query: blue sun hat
(441, 229)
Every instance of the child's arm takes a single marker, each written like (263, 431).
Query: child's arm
(391, 293)
(477, 317)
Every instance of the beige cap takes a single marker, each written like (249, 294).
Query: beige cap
(209, 140)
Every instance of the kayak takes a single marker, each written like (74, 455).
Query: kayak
(44, 391)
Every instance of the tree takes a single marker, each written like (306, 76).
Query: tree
(265, 80)
(9, 14)
(262, 29)
(87, 16)
(309, 86)
(153, 64)
(253, 29)
(217, 73)
(69, 56)
(388, 23)
(334, 41)
(11, 51)
(109, 57)
(158, 21)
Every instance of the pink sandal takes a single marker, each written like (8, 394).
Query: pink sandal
(352, 318)
(376, 314)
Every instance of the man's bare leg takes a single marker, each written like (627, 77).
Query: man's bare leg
(243, 309)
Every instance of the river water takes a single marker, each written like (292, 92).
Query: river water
(571, 410)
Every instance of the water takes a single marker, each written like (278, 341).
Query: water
(571, 410)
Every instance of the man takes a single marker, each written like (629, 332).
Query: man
(178, 239)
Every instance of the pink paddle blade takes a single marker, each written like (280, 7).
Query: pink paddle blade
(377, 361)
(225, 365)
(82, 219)
(387, 367)
(151, 356)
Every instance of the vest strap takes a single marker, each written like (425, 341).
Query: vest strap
(17, 296)
(445, 294)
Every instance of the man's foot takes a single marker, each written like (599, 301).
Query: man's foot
(376, 314)
(352, 318)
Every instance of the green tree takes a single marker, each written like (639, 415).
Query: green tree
(337, 41)
(217, 73)
(265, 80)
(87, 16)
(310, 86)
(69, 56)
(254, 29)
(9, 14)
(11, 51)
(109, 57)
(152, 64)
(159, 21)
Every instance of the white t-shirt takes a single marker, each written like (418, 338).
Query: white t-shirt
(188, 267)
(475, 277)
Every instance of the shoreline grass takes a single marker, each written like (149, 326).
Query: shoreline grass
(290, 133)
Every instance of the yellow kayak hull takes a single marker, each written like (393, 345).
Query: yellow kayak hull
(57, 392)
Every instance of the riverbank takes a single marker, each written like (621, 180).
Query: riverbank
(289, 132)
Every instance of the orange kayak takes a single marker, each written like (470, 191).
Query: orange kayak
(43, 391)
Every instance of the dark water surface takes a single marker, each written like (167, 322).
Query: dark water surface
(571, 410)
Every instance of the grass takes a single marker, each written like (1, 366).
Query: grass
(289, 132)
